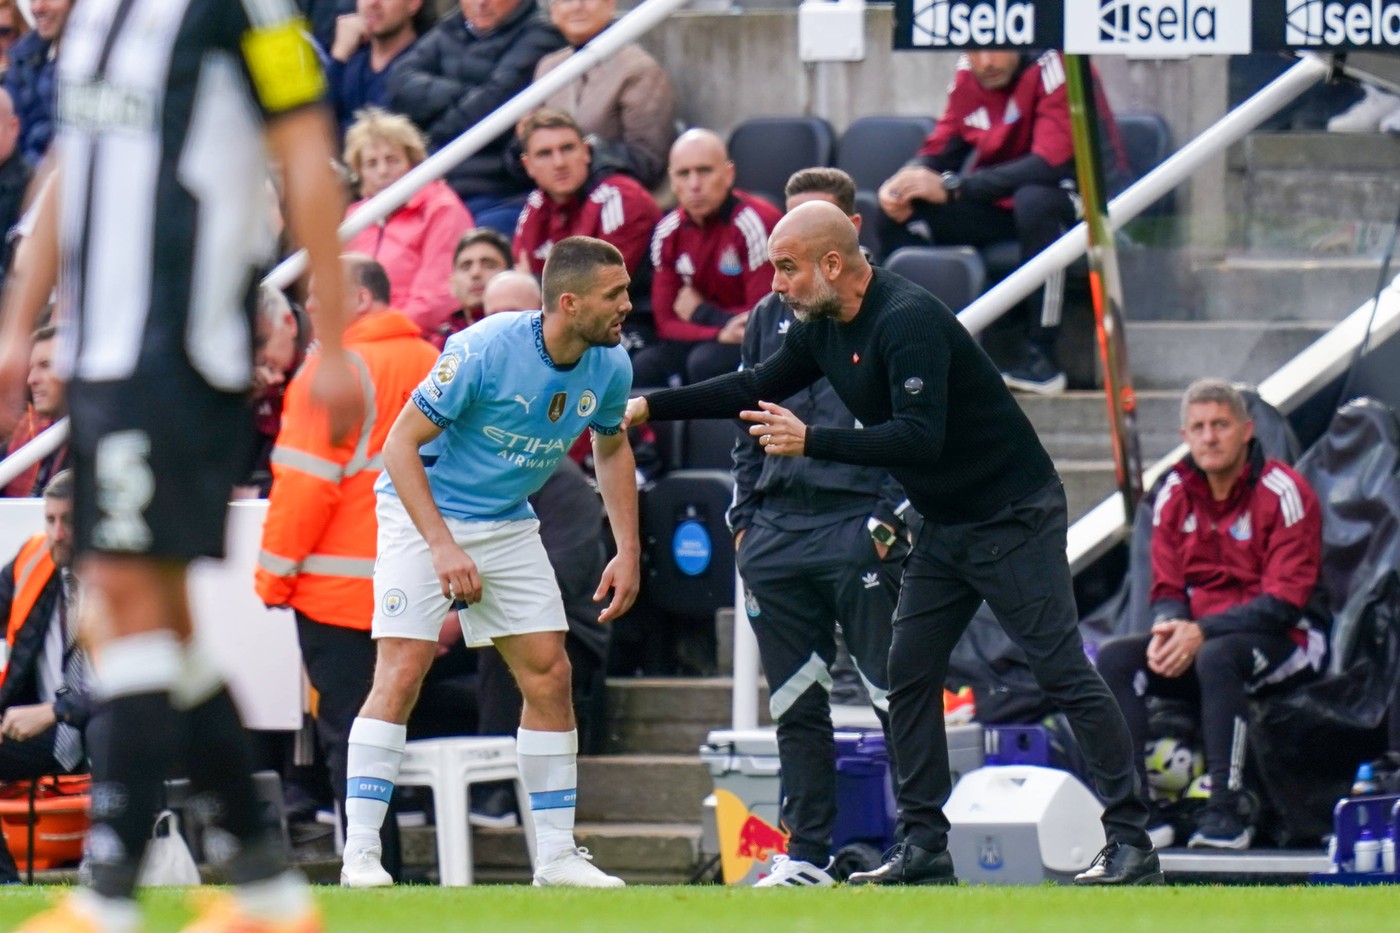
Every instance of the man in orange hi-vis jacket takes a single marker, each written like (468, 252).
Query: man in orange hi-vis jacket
(319, 538)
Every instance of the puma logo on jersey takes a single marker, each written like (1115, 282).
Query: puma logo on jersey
(526, 402)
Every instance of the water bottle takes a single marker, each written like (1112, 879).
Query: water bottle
(1365, 782)
(1366, 853)
(1388, 855)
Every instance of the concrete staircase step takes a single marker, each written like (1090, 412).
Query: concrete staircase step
(1086, 483)
(669, 715)
(1320, 192)
(1324, 154)
(642, 788)
(1074, 426)
(1265, 288)
(646, 853)
(1170, 355)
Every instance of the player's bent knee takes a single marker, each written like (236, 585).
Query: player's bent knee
(547, 682)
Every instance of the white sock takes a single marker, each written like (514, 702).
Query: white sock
(280, 897)
(549, 770)
(372, 766)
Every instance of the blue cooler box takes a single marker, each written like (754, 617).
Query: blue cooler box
(865, 810)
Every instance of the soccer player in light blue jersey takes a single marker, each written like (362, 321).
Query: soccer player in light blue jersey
(483, 431)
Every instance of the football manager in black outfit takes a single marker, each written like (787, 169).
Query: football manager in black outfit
(936, 414)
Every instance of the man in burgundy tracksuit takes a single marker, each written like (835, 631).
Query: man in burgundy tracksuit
(710, 267)
(1236, 547)
(999, 166)
(571, 199)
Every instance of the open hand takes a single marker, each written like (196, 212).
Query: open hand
(779, 431)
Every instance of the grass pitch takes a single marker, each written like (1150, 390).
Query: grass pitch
(713, 909)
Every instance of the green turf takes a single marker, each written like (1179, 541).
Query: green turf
(839, 910)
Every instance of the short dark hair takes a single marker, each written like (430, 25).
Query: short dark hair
(367, 273)
(832, 181)
(492, 238)
(545, 119)
(47, 332)
(60, 486)
(573, 265)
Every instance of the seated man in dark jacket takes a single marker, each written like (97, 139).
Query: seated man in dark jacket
(475, 59)
(1236, 551)
(44, 705)
(367, 43)
(32, 78)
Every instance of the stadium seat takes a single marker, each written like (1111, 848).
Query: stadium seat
(766, 150)
(874, 148)
(1147, 142)
(449, 767)
(708, 444)
(689, 554)
(954, 274)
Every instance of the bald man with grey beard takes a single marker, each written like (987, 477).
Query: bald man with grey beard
(933, 411)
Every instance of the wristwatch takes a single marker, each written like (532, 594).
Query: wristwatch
(952, 184)
(881, 533)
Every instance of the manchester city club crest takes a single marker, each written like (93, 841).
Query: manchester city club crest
(556, 405)
(395, 602)
(587, 403)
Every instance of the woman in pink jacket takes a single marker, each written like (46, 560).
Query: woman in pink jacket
(415, 243)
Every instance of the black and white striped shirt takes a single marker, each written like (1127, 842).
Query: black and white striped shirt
(163, 203)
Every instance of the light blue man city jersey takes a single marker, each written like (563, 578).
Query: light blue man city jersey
(509, 415)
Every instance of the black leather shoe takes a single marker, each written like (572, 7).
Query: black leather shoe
(909, 864)
(1122, 864)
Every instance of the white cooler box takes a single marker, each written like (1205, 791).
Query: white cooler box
(1020, 824)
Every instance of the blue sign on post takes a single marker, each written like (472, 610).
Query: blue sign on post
(691, 547)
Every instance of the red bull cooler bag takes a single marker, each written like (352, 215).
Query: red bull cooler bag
(748, 791)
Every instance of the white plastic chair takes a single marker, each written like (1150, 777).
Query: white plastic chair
(449, 767)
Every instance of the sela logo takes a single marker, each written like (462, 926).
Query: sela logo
(960, 23)
(1136, 20)
(1338, 22)
(1158, 27)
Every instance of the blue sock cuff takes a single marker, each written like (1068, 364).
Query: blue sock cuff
(369, 788)
(554, 799)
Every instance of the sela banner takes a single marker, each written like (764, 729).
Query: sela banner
(943, 25)
(1149, 28)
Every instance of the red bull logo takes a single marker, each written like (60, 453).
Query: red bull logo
(744, 838)
(759, 841)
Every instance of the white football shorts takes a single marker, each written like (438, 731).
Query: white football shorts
(518, 591)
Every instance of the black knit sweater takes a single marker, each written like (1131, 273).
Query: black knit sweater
(932, 407)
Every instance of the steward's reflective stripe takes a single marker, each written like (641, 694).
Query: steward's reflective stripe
(329, 566)
(361, 459)
(276, 564)
(319, 467)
